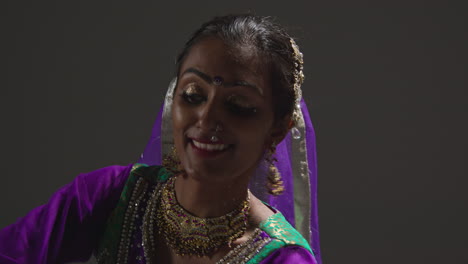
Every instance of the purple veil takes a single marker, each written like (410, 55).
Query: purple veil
(297, 164)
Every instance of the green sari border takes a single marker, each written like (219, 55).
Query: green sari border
(110, 240)
(282, 233)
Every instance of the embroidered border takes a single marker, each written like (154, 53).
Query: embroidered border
(245, 251)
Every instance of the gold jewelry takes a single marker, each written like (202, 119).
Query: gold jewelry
(275, 184)
(299, 77)
(187, 234)
(215, 138)
(172, 163)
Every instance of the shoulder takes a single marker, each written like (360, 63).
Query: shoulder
(151, 174)
(141, 177)
(285, 243)
(279, 229)
(142, 183)
(99, 184)
(110, 174)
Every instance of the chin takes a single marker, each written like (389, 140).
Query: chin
(209, 174)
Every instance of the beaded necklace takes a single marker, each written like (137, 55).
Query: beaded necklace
(187, 234)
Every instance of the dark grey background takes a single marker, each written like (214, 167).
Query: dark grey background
(385, 84)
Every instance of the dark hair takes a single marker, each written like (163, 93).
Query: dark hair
(272, 44)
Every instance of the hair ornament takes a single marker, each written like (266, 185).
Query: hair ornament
(299, 77)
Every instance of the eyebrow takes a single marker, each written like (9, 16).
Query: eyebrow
(208, 79)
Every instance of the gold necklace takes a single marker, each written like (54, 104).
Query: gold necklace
(187, 234)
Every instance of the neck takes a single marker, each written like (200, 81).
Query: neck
(212, 199)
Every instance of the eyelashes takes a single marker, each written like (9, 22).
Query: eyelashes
(239, 105)
(242, 111)
(194, 96)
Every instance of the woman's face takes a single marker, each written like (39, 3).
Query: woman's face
(222, 92)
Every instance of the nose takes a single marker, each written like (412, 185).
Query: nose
(208, 116)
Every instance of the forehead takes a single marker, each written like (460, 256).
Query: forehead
(214, 57)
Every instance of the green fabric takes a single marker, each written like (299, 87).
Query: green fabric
(153, 174)
(109, 243)
(282, 234)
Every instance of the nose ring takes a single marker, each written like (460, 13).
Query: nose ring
(218, 128)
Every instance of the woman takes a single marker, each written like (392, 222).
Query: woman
(236, 96)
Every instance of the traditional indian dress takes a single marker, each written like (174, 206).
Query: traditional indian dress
(107, 212)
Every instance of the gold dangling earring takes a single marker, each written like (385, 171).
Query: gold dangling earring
(275, 184)
(172, 162)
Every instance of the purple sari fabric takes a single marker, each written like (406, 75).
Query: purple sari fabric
(291, 254)
(68, 227)
(284, 202)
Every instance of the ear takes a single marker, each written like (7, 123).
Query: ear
(279, 130)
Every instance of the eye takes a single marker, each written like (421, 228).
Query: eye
(193, 94)
(239, 106)
(242, 111)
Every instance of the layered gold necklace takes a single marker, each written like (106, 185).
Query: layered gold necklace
(187, 234)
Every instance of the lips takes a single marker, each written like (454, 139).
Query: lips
(209, 146)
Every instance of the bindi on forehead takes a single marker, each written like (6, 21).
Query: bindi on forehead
(217, 80)
(223, 64)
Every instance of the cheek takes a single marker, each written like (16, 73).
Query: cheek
(181, 119)
(254, 145)
(255, 134)
(181, 116)
(177, 118)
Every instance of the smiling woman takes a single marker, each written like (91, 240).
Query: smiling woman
(243, 112)
(224, 135)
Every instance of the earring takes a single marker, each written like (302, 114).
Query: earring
(172, 162)
(275, 184)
